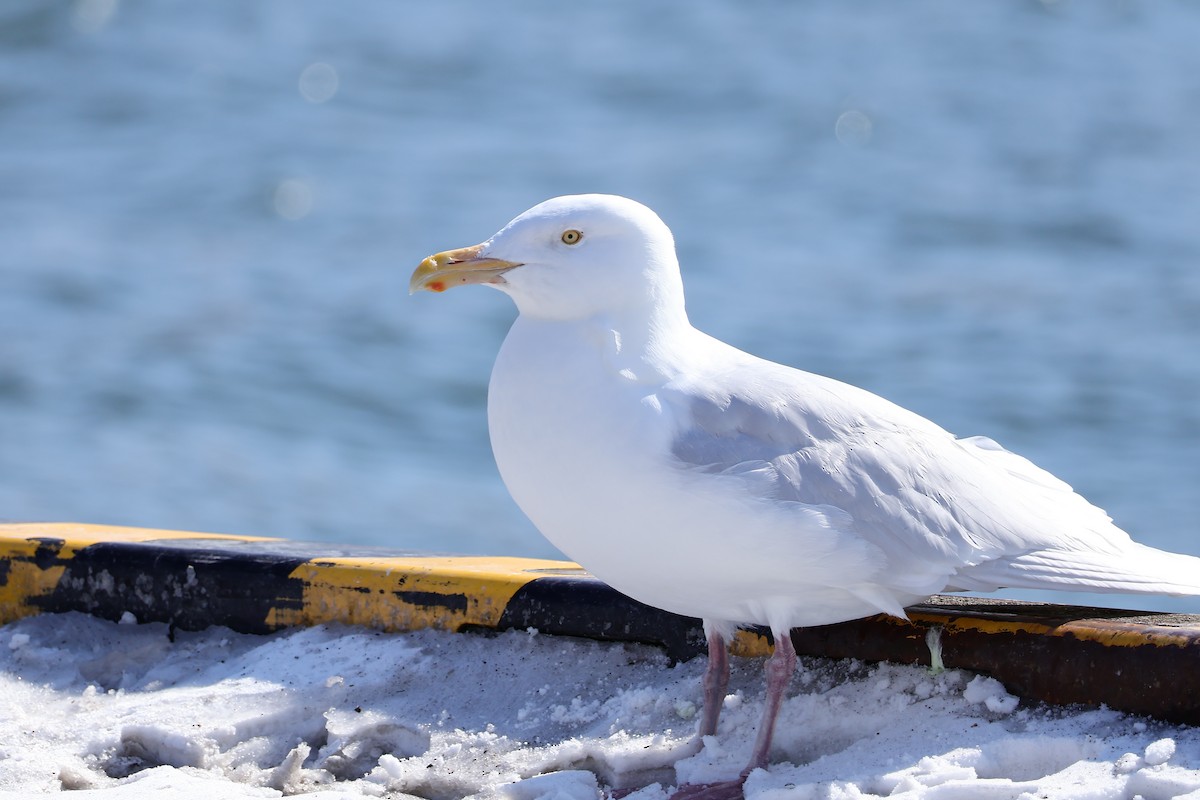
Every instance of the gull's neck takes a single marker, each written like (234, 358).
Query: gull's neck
(646, 347)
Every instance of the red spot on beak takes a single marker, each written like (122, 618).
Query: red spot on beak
(437, 286)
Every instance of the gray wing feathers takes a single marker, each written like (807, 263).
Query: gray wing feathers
(1139, 569)
(963, 513)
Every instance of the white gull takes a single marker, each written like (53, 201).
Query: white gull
(702, 480)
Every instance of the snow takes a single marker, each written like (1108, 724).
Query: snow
(120, 710)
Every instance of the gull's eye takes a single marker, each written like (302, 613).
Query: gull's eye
(572, 236)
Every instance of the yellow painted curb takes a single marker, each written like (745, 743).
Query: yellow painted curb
(1138, 662)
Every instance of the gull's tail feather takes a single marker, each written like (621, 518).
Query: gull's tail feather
(1136, 570)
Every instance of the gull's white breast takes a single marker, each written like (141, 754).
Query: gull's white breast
(583, 442)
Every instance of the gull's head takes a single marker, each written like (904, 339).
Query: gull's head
(569, 258)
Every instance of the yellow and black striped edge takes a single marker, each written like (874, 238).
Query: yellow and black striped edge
(259, 585)
(1131, 661)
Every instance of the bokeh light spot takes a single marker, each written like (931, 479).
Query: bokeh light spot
(90, 16)
(318, 82)
(293, 199)
(853, 128)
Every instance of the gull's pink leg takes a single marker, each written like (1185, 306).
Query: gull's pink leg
(716, 680)
(779, 669)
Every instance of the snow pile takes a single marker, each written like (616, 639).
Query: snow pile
(120, 710)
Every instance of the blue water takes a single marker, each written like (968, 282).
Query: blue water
(987, 212)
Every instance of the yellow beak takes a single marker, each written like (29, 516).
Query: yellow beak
(457, 268)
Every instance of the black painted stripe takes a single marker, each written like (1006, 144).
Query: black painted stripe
(1128, 660)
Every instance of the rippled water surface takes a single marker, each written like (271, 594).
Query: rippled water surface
(986, 212)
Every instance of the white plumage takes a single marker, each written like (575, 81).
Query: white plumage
(700, 479)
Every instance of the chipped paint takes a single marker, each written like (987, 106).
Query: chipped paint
(1059, 654)
(409, 593)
